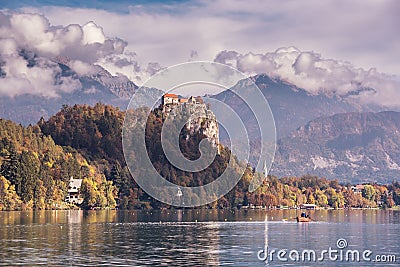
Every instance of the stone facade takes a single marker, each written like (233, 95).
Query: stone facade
(170, 99)
(204, 120)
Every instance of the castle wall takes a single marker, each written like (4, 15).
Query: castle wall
(205, 121)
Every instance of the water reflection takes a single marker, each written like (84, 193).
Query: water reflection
(182, 237)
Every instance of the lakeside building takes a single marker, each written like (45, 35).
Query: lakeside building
(73, 194)
(358, 189)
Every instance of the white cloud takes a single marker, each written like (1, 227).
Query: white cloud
(364, 32)
(126, 64)
(309, 70)
(92, 34)
(33, 32)
(41, 79)
(83, 68)
(29, 44)
(91, 90)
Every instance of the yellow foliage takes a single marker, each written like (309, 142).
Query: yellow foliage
(35, 154)
(92, 170)
(83, 162)
(49, 164)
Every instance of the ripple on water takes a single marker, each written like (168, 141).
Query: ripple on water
(172, 243)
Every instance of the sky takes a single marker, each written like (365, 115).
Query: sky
(331, 46)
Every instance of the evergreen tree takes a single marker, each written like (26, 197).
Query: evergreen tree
(10, 169)
(29, 175)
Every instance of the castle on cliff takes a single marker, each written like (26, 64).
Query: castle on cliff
(204, 122)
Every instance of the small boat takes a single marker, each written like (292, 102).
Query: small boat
(303, 219)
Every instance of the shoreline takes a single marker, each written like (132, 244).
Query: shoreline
(397, 208)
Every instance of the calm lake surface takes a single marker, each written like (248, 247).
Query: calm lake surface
(193, 238)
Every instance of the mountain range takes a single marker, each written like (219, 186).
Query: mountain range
(349, 146)
(326, 135)
(101, 87)
(28, 109)
(291, 106)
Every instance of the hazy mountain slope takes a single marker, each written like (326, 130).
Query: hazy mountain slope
(349, 146)
(291, 106)
(101, 87)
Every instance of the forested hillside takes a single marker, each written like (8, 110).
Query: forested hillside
(96, 133)
(35, 172)
(85, 142)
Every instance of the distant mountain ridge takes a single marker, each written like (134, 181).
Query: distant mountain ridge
(324, 135)
(120, 86)
(101, 87)
(348, 146)
(291, 106)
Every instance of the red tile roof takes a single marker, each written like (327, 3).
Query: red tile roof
(171, 95)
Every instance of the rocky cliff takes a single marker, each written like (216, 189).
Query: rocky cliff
(349, 146)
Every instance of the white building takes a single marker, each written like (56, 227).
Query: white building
(73, 195)
(170, 99)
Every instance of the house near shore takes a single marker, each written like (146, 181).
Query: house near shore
(358, 189)
(73, 194)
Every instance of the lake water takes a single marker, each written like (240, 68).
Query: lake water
(196, 238)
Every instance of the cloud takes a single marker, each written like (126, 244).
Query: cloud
(85, 49)
(33, 32)
(127, 65)
(92, 34)
(145, 38)
(42, 78)
(30, 45)
(91, 90)
(364, 32)
(310, 71)
(83, 68)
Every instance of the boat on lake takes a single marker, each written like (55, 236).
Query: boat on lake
(303, 219)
